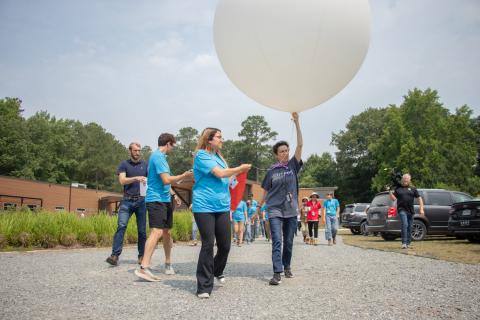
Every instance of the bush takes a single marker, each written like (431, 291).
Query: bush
(24, 239)
(68, 239)
(3, 241)
(90, 239)
(47, 241)
(48, 229)
(105, 240)
(182, 226)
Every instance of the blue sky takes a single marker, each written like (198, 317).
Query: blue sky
(139, 68)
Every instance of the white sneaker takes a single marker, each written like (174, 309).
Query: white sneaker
(146, 274)
(204, 295)
(169, 269)
(220, 280)
(404, 246)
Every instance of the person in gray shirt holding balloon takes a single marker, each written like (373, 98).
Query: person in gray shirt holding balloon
(280, 194)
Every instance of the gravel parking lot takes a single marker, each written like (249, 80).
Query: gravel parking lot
(339, 282)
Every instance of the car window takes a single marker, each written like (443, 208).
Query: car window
(460, 197)
(360, 208)
(348, 209)
(416, 201)
(382, 200)
(439, 198)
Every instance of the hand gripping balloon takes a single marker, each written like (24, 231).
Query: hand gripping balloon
(291, 55)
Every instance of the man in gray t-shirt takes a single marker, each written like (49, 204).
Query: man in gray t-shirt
(280, 194)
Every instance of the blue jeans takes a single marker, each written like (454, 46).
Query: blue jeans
(248, 233)
(262, 228)
(331, 227)
(287, 226)
(194, 230)
(407, 220)
(127, 208)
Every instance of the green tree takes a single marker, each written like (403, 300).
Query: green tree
(356, 164)
(146, 153)
(99, 155)
(15, 145)
(255, 135)
(437, 148)
(181, 159)
(319, 171)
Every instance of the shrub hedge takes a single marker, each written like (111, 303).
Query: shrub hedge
(48, 229)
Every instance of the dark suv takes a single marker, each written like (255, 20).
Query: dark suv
(354, 217)
(464, 220)
(382, 215)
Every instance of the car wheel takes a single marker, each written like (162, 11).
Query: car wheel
(419, 230)
(388, 236)
(363, 228)
(355, 230)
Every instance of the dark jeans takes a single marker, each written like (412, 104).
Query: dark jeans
(278, 227)
(212, 226)
(313, 229)
(127, 208)
(406, 219)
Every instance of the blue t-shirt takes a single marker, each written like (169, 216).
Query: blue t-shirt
(281, 184)
(252, 209)
(264, 209)
(210, 193)
(239, 213)
(157, 191)
(132, 169)
(331, 206)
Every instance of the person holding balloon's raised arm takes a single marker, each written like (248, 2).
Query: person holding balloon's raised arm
(280, 194)
(211, 208)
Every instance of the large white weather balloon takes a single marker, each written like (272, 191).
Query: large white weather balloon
(291, 55)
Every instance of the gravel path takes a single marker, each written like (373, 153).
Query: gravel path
(339, 282)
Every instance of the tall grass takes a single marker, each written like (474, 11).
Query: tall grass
(49, 229)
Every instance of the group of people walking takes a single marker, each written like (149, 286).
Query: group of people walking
(248, 223)
(210, 206)
(312, 212)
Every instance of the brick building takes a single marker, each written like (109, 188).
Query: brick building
(16, 193)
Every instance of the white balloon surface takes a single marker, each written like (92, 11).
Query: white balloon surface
(291, 55)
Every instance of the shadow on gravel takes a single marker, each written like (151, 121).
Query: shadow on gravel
(250, 270)
(186, 285)
(129, 262)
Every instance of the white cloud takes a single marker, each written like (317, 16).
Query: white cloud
(205, 60)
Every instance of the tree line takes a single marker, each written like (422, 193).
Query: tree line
(63, 151)
(438, 148)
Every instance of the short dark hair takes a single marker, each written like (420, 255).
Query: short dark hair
(278, 145)
(165, 138)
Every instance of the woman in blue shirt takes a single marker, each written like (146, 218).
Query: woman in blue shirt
(239, 217)
(211, 208)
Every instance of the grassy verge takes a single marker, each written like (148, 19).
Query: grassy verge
(436, 247)
(25, 229)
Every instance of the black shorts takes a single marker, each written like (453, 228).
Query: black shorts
(160, 215)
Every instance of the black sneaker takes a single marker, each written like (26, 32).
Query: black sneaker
(276, 280)
(288, 273)
(113, 260)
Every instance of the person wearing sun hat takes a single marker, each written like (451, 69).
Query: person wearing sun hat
(313, 217)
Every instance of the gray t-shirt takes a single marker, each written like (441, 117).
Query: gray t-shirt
(281, 184)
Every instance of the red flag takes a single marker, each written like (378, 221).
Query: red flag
(236, 191)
